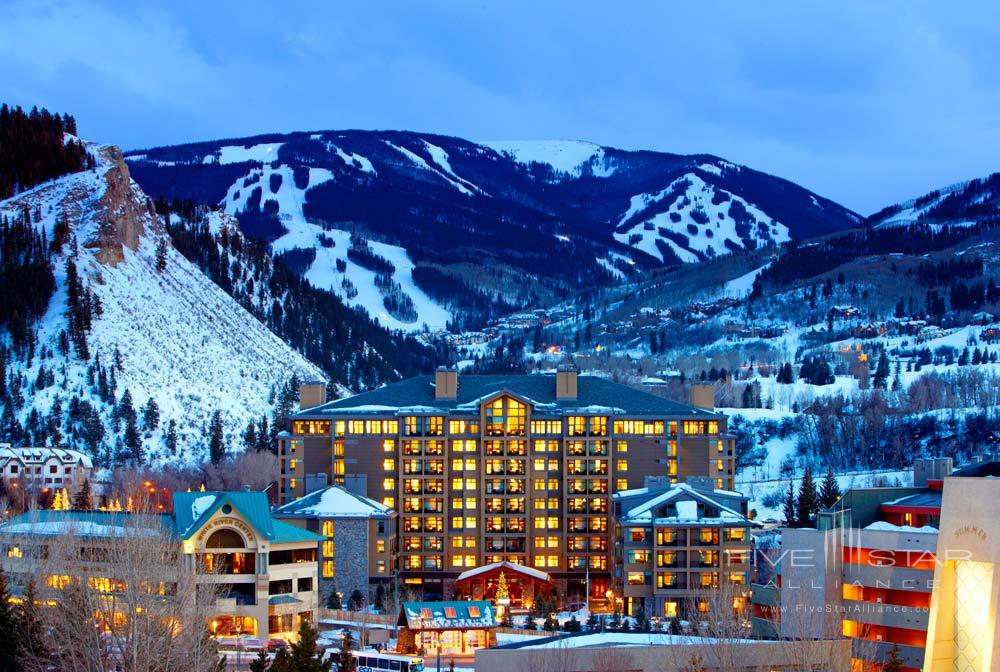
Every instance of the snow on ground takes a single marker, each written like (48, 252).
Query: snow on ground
(179, 338)
(614, 270)
(741, 287)
(323, 272)
(565, 156)
(712, 232)
(264, 153)
(440, 157)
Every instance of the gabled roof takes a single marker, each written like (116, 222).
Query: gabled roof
(33, 455)
(682, 493)
(92, 524)
(503, 564)
(192, 509)
(447, 615)
(594, 395)
(333, 502)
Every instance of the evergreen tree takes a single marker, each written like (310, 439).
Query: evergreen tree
(675, 626)
(356, 601)
(151, 415)
(333, 600)
(808, 503)
(216, 440)
(83, 499)
(304, 655)
(345, 659)
(171, 437)
(282, 662)
(260, 663)
(881, 372)
(789, 506)
(829, 491)
(250, 437)
(161, 255)
(10, 652)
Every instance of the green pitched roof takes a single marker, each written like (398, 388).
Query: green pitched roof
(447, 615)
(192, 509)
(594, 394)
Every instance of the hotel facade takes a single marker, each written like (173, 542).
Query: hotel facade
(488, 469)
(909, 569)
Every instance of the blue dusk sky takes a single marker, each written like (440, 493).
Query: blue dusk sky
(865, 102)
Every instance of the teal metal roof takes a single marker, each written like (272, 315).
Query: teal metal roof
(538, 389)
(192, 509)
(283, 599)
(447, 615)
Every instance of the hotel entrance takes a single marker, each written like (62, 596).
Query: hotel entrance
(454, 628)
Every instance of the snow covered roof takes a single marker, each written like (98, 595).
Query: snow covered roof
(334, 502)
(97, 524)
(31, 455)
(520, 569)
(595, 394)
(608, 639)
(686, 500)
(882, 526)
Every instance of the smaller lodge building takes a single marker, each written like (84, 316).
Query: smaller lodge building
(456, 628)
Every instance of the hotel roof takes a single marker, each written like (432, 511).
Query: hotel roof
(333, 502)
(595, 395)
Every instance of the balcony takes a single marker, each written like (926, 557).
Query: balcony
(891, 615)
(865, 649)
(895, 578)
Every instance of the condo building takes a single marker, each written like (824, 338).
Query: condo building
(260, 572)
(891, 569)
(484, 469)
(36, 469)
(678, 544)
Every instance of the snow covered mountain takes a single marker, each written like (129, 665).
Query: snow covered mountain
(428, 230)
(156, 329)
(964, 204)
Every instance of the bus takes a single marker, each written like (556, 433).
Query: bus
(369, 660)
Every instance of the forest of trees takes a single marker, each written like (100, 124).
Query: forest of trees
(32, 149)
(25, 263)
(344, 342)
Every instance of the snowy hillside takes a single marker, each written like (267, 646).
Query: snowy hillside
(691, 220)
(466, 232)
(168, 334)
(964, 204)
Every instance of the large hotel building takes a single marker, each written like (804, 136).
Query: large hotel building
(485, 469)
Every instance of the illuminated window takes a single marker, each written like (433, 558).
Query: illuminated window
(292, 464)
(622, 446)
(576, 425)
(328, 549)
(380, 545)
(291, 483)
(328, 569)
(622, 465)
(621, 484)
(389, 446)
(388, 483)
(598, 425)
(389, 464)
(327, 528)
(15, 552)
(389, 501)
(311, 427)
(355, 426)
(339, 427)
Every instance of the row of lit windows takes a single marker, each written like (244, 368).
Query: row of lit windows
(701, 426)
(546, 561)
(505, 416)
(643, 427)
(599, 562)
(413, 447)
(311, 427)
(518, 448)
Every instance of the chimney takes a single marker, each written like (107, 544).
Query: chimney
(703, 395)
(311, 394)
(931, 469)
(565, 382)
(445, 383)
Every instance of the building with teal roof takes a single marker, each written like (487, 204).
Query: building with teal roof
(265, 568)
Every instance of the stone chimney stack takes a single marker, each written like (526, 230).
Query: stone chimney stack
(311, 394)
(703, 395)
(566, 382)
(445, 383)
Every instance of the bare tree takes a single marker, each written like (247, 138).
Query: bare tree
(115, 594)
